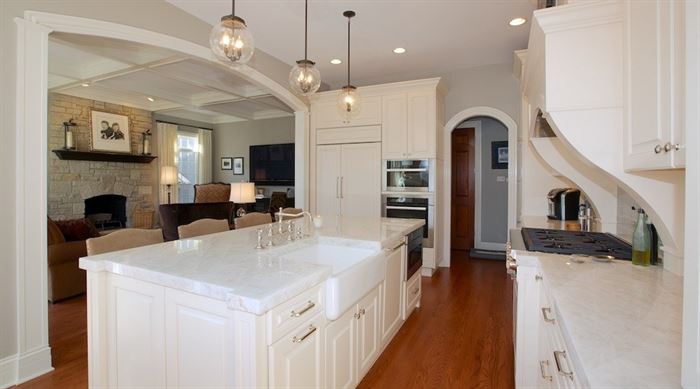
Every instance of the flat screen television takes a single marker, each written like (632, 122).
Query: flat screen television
(272, 164)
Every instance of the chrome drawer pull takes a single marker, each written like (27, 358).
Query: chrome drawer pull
(543, 367)
(415, 291)
(569, 374)
(538, 277)
(545, 315)
(308, 306)
(299, 339)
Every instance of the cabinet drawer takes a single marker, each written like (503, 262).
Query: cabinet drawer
(292, 313)
(412, 293)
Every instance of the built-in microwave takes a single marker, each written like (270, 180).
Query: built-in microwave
(416, 175)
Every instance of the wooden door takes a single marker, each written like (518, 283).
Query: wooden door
(462, 213)
(328, 180)
(361, 180)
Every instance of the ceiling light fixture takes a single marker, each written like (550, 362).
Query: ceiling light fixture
(304, 78)
(517, 21)
(85, 84)
(399, 50)
(336, 61)
(349, 98)
(230, 39)
(151, 99)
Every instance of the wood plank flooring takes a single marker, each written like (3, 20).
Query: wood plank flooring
(461, 337)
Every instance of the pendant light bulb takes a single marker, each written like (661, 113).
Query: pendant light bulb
(349, 97)
(230, 39)
(304, 78)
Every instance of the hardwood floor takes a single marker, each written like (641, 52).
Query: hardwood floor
(68, 340)
(461, 337)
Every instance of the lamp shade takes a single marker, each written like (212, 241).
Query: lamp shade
(168, 175)
(242, 192)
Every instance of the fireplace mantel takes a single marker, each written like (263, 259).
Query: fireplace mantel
(75, 155)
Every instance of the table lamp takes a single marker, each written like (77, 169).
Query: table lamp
(242, 193)
(168, 177)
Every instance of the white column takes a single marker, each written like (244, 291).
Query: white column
(301, 159)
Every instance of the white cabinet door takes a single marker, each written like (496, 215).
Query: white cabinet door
(200, 338)
(341, 354)
(328, 180)
(391, 294)
(421, 129)
(296, 360)
(135, 330)
(360, 186)
(368, 331)
(654, 89)
(327, 113)
(394, 127)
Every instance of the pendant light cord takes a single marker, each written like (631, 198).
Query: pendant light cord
(349, 17)
(306, 29)
(233, 7)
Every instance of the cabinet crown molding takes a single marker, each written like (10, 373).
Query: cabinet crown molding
(380, 89)
(578, 15)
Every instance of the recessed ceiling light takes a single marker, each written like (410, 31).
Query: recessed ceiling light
(336, 61)
(517, 21)
(151, 99)
(399, 50)
(85, 84)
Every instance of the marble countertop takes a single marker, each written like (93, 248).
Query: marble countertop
(226, 266)
(622, 321)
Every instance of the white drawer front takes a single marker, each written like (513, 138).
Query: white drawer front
(412, 292)
(290, 314)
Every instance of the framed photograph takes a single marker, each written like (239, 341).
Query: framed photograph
(238, 166)
(226, 163)
(499, 155)
(110, 132)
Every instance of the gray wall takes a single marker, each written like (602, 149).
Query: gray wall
(234, 140)
(153, 15)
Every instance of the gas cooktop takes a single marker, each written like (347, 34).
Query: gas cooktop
(575, 242)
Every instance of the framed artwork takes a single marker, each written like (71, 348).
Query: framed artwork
(238, 166)
(226, 163)
(110, 132)
(499, 155)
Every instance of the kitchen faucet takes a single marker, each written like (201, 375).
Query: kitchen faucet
(281, 214)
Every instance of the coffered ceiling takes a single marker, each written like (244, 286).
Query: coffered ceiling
(439, 35)
(154, 79)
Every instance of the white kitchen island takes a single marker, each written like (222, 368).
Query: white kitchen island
(214, 311)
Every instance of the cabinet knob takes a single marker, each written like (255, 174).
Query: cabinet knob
(668, 147)
(658, 149)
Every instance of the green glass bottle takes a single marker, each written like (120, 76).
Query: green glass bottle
(641, 241)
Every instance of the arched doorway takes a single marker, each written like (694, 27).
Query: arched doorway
(34, 354)
(453, 124)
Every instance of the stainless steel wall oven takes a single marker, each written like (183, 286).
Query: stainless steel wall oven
(414, 206)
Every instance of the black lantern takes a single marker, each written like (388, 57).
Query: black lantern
(146, 142)
(68, 135)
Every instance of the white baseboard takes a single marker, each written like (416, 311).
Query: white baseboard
(491, 246)
(8, 371)
(427, 271)
(33, 364)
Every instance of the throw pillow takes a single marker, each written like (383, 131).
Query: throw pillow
(77, 229)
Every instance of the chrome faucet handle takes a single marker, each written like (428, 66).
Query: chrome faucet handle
(270, 243)
(290, 231)
(260, 234)
(300, 233)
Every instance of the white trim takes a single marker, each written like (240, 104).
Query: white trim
(8, 371)
(34, 356)
(512, 127)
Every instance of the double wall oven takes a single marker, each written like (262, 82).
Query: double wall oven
(408, 187)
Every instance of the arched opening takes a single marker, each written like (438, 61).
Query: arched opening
(34, 353)
(460, 181)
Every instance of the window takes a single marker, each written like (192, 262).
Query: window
(187, 166)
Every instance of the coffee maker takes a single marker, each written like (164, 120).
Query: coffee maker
(563, 203)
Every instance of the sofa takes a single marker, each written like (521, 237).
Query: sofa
(66, 244)
(174, 215)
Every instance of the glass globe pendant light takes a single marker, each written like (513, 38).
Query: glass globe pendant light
(304, 78)
(349, 97)
(230, 40)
